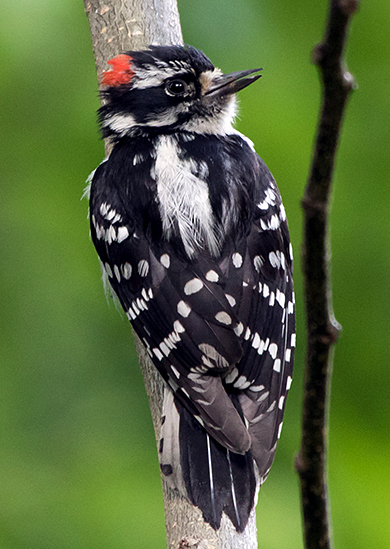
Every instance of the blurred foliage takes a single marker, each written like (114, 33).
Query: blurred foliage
(78, 466)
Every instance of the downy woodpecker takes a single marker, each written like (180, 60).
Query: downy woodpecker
(191, 231)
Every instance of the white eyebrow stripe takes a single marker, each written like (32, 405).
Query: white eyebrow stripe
(147, 77)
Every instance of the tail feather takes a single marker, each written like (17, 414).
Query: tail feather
(213, 478)
(216, 479)
(233, 489)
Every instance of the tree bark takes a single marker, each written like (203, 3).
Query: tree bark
(116, 26)
(322, 327)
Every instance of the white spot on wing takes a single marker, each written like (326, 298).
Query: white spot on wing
(263, 205)
(178, 327)
(274, 222)
(239, 329)
(193, 286)
(241, 383)
(260, 350)
(175, 371)
(262, 397)
(110, 215)
(231, 376)
(280, 298)
(237, 260)
(257, 388)
(256, 341)
(274, 260)
(165, 260)
(110, 235)
(183, 309)
(186, 393)
(271, 225)
(117, 273)
(212, 276)
(271, 301)
(143, 267)
(273, 350)
(158, 353)
(207, 362)
(123, 233)
(104, 207)
(290, 249)
(108, 270)
(214, 355)
(258, 262)
(130, 314)
(126, 269)
(164, 348)
(288, 383)
(230, 299)
(224, 318)
(271, 407)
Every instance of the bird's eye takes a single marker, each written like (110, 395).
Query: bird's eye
(176, 87)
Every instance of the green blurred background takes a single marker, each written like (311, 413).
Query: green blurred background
(78, 466)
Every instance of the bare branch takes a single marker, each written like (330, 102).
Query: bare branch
(322, 327)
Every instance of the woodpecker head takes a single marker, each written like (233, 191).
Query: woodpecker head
(168, 88)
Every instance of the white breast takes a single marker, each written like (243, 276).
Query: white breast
(183, 197)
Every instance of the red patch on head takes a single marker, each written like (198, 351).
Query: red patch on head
(120, 73)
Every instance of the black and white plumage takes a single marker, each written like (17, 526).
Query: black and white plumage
(190, 228)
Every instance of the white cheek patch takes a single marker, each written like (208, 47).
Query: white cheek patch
(120, 123)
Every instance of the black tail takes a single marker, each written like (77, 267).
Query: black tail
(215, 478)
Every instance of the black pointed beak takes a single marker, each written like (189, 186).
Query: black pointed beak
(232, 83)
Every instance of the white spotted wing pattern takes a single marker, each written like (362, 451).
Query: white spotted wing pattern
(217, 316)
